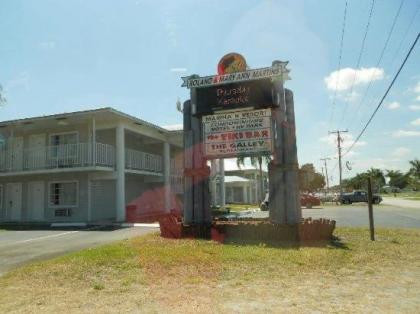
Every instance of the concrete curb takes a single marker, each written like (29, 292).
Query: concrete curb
(146, 225)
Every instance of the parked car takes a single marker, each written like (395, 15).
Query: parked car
(309, 200)
(359, 196)
(306, 200)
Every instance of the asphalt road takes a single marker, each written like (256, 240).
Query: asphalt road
(20, 247)
(356, 215)
(400, 202)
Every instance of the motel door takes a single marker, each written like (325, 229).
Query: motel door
(37, 152)
(17, 153)
(36, 200)
(14, 201)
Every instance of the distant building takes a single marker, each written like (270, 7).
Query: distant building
(252, 190)
(238, 189)
(241, 185)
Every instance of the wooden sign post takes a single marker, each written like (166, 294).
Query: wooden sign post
(370, 207)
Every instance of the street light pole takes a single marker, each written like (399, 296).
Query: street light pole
(340, 169)
(326, 171)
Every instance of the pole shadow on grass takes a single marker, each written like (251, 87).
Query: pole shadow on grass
(337, 243)
(334, 243)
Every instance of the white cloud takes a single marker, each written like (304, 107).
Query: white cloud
(347, 76)
(174, 127)
(416, 88)
(347, 140)
(405, 133)
(230, 164)
(20, 81)
(416, 122)
(363, 164)
(401, 152)
(350, 97)
(47, 45)
(178, 69)
(414, 107)
(393, 105)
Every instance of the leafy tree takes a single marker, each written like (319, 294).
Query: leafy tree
(397, 178)
(358, 182)
(309, 179)
(378, 178)
(414, 174)
(256, 162)
(415, 168)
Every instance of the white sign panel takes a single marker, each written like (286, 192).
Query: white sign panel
(278, 71)
(237, 133)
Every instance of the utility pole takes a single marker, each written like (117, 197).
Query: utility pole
(326, 172)
(339, 139)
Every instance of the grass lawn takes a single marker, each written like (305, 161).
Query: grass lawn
(415, 196)
(155, 275)
(240, 207)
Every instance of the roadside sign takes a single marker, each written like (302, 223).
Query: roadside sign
(275, 72)
(237, 133)
(254, 94)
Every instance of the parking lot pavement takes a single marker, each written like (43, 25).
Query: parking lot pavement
(20, 247)
(356, 215)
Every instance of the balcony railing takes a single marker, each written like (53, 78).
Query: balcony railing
(137, 160)
(57, 156)
(177, 182)
(177, 175)
(74, 156)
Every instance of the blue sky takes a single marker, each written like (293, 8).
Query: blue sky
(62, 56)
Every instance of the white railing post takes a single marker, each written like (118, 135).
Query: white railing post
(120, 166)
(94, 142)
(166, 172)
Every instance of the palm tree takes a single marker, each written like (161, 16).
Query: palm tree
(256, 162)
(358, 182)
(397, 178)
(414, 174)
(378, 178)
(2, 99)
(415, 167)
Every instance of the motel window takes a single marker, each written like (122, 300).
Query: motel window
(63, 139)
(63, 194)
(63, 152)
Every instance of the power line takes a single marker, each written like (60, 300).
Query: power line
(358, 59)
(394, 58)
(405, 34)
(339, 65)
(384, 96)
(378, 62)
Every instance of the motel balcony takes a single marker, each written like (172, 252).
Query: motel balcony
(79, 156)
(143, 162)
(56, 157)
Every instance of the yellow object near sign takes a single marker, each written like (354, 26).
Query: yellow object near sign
(231, 63)
(237, 133)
